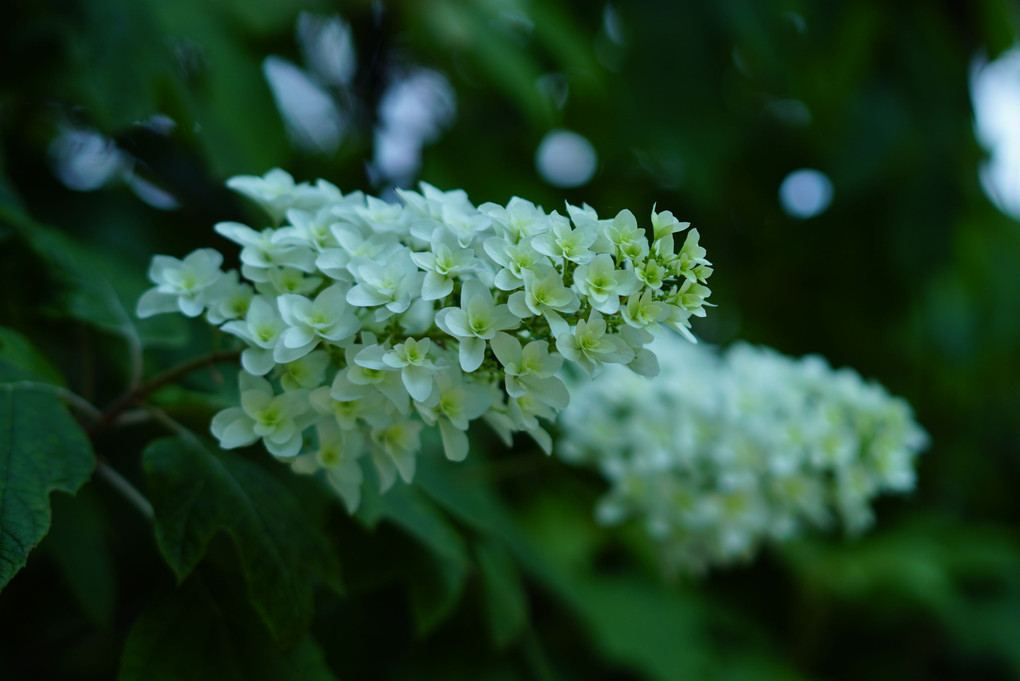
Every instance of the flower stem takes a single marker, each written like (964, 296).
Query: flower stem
(127, 490)
(138, 393)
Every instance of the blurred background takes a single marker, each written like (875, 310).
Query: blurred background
(854, 171)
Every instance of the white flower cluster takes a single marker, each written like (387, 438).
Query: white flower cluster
(723, 452)
(365, 321)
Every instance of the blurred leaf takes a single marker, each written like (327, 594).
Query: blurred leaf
(437, 581)
(435, 584)
(506, 602)
(202, 632)
(117, 91)
(19, 361)
(405, 506)
(197, 494)
(100, 290)
(42, 448)
(486, 43)
(920, 562)
(645, 627)
(226, 98)
(78, 544)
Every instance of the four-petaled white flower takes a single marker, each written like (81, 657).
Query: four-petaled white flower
(181, 285)
(531, 369)
(562, 241)
(447, 261)
(603, 283)
(590, 346)
(544, 294)
(278, 419)
(474, 322)
(391, 284)
(325, 318)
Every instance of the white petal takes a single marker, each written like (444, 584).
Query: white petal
(472, 352)
(436, 286)
(507, 349)
(455, 441)
(418, 381)
(153, 302)
(257, 361)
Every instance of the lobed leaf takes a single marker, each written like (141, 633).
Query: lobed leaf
(197, 494)
(42, 448)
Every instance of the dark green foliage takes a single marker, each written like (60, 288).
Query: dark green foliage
(494, 568)
(205, 631)
(196, 494)
(42, 449)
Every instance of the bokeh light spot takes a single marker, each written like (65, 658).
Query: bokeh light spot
(566, 159)
(805, 193)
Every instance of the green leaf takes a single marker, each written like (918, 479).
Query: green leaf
(506, 603)
(20, 361)
(205, 632)
(100, 289)
(78, 545)
(42, 448)
(435, 584)
(196, 494)
(437, 581)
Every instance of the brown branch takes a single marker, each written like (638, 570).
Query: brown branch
(138, 393)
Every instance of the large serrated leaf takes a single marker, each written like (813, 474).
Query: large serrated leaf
(203, 632)
(196, 494)
(42, 448)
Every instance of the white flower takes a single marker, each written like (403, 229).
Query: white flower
(307, 372)
(474, 322)
(181, 285)
(643, 310)
(518, 221)
(544, 294)
(396, 447)
(453, 406)
(627, 239)
(514, 259)
(603, 284)
(306, 228)
(531, 370)
(443, 265)
(691, 258)
(227, 299)
(325, 318)
(391, 284)
(590, 346)
(277, 419)
(276, 192)
(261, 328)
(264, 250)
(429, 283)
(724, 453)
(560, 241)
(338, 454)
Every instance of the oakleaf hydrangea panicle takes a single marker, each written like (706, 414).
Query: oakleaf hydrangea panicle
(722, 452)
(364, 322)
